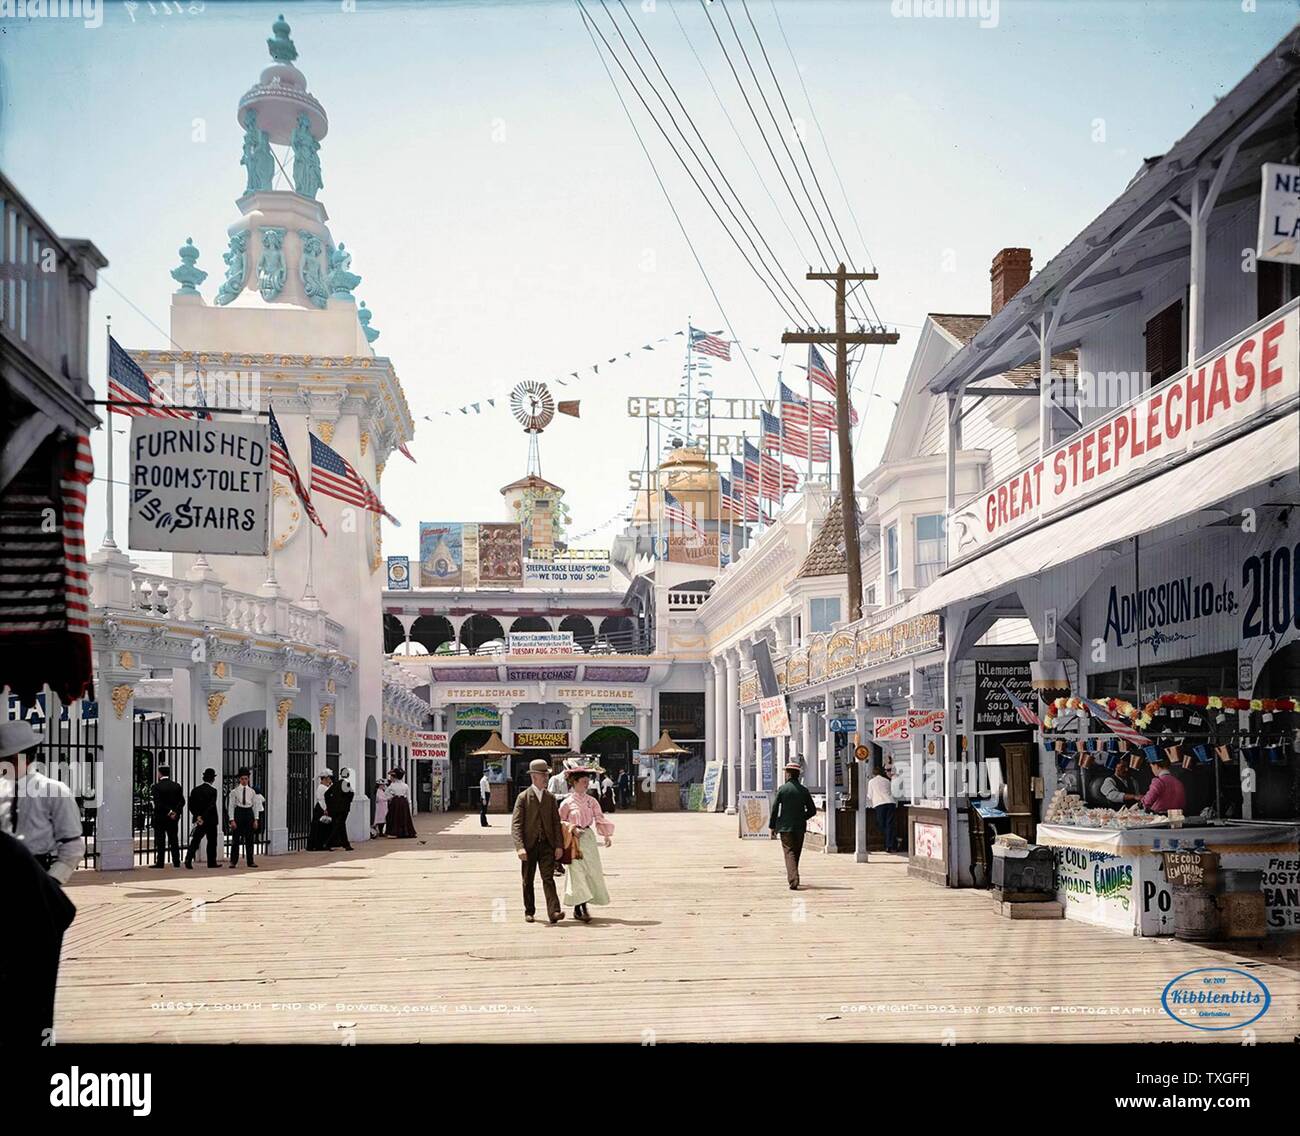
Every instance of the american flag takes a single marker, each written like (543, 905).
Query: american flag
(1116, 726)
(1023, 711)
(744, 491)
(282, 464)
(708, 344)
(44, 583)
(333, 476)
(726, 499)
(818, 372)
(781, 434)
(773, 476)
(128, 383)
(674, 510)
(797, 409)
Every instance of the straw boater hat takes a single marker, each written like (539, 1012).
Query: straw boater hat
(793, 766)
(539, 765)
(17, 737)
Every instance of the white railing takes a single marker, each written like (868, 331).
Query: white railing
(115, 585)
(686, 601)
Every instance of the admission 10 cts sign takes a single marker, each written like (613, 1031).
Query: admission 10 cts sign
(199, 486)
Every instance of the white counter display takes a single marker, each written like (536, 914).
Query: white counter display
(1115, 877)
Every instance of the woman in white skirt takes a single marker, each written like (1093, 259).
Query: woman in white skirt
(585, 880)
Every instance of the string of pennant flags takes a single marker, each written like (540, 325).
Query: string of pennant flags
(593, 370)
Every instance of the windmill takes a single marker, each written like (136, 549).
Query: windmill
(531, 403)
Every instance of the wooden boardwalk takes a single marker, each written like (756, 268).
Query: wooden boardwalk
(425, 941)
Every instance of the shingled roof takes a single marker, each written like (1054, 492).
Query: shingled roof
(826, 556)
(965, 327)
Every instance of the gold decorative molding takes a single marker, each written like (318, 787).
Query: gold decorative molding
(365, 441)
(121, 696)
(220, 670)
(379, 470)
(215, 702)
(290, 679)
(127, 661)
(329, 685)
(282, 710)
(326, 713)
(326, 431)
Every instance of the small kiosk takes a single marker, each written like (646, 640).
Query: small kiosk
(655, 792)
(495, 749)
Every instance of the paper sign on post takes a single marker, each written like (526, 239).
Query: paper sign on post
(926, 721)
(890, 730)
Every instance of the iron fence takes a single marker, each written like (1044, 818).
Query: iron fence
(301, 782)
(157, 742)
(244, 746)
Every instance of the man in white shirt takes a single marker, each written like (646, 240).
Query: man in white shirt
(880, 796)
(245, 808)
(484, 795)
(38, 810)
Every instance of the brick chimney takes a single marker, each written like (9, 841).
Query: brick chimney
(1010, 273)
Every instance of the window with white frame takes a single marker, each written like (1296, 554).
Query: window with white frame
(823, 613)
(870, 600)
(931, 547)
(891, 565)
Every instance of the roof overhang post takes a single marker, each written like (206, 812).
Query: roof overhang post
(952, 445)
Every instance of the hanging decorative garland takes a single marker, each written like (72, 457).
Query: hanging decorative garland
(1141, 719)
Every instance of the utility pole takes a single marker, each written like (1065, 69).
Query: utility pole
(840, 341)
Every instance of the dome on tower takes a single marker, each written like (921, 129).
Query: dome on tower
(280, 94)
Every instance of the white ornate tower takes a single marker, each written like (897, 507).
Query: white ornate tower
(285, 330)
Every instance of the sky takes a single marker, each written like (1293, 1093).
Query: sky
(507, 225)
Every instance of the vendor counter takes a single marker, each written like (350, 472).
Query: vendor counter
(1115, 877)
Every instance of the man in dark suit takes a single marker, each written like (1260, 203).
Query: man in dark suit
(792, 809)
(203, 812)
(168, 800)
(539, 839)
(338, 803)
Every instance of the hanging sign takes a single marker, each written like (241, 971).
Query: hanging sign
(565, 572)
(199, 486)
(399, 573)
(926, 721)
(1279, 213)
(429, 744)
(843, 725)
(890, 729)
(773, 717)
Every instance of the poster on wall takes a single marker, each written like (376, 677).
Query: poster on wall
(769, 764)
(753, 811)
(442, 555)
(700, 549)
(566, 573)
(199, 487)
(478, 718)
(773, 717)
(500, 553)
(611, 714)
(399, 573)
(666, 769)
(429, 744)
(993, 709)
(540, 642)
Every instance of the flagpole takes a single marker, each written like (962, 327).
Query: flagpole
(109, 542)
(810, 414)
(309, 592)
(659, 487)
(690, 358)
(271, 586)
(653, 551)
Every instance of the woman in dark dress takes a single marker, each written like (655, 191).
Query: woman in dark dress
(399, 822)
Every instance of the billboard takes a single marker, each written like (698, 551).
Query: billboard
(442, 555)
(399, 573)
(500, 553)
(693, 548)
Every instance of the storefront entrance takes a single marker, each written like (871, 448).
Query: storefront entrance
(466, 770)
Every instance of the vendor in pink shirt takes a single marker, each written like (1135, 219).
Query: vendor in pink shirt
(1166, 791)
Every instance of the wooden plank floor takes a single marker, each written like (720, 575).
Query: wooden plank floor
(425, 941)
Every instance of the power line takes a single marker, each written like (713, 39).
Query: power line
(798, 299)
(689, 172)
(804, 150)
(592, 31)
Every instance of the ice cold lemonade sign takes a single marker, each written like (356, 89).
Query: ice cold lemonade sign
(199, 486)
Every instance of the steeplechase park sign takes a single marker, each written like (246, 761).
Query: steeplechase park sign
(541, 739)
(1249, 378)
(199, 486)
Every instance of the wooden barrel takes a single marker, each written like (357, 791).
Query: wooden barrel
(1196, 914)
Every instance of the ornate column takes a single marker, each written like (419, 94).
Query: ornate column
(718, 741)
(275, 817)
(507, 732)
(575, 727)
(209, 683)
(863, 773)
(710, 709)
(119, 671)
(643, 730)
(829, 775)
(747, 747)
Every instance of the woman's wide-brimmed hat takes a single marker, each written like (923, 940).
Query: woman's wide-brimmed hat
(326, 773)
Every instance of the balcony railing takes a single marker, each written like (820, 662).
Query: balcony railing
(686, 601)
(208, 603)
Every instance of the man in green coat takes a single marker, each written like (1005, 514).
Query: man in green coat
(791, 811)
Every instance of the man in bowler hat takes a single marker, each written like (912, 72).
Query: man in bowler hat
(539, 839)
(203, 812)
(791, 811)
